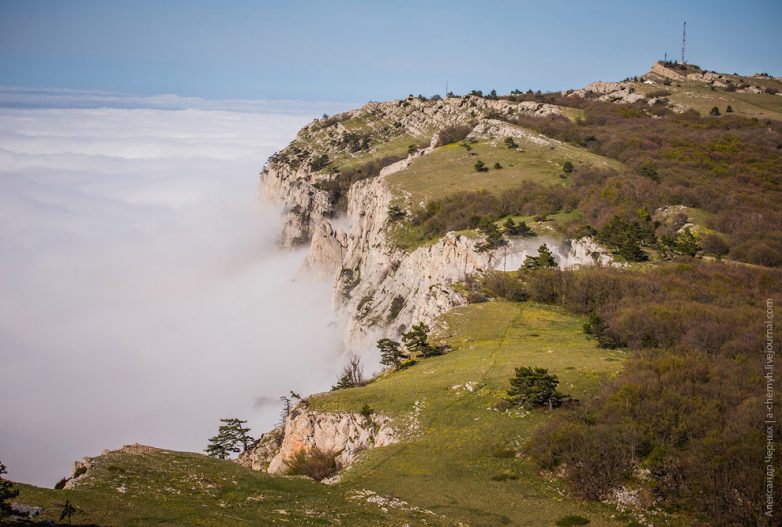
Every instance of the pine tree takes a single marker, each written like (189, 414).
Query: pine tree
(417, 341)
(544, 259)
(686, 243)
(390, 353)
(493, 238)
(533, 388)
(230, 437)
(7, 490)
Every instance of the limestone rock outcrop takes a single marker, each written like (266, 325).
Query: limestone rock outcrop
(616, 92)
(383, 289)
(259, 455)
(343, 434)
(79, 472)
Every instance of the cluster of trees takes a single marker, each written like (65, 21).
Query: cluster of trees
(353, 142)
(625, 238)
(415, 344)
(629, 232)
(479, 93)
(319, 162)
(493, 237)
(470, 210)
(517, 229)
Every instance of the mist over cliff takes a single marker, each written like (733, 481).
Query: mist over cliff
(144, 296)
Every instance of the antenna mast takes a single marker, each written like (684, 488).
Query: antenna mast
(684, 40)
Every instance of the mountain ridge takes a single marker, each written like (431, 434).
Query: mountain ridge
(356, 188)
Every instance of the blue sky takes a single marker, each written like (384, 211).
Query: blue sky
(355, 51)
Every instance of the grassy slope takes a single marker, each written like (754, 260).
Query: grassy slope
(460, 463)
(177, 488)
(451, 168)
(702, 98)
(396, 146)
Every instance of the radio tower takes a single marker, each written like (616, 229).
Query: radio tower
(684, 40)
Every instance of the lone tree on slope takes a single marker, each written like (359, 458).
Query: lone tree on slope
(7, 491)
(230, 437)
(533, 388)
(352, 375)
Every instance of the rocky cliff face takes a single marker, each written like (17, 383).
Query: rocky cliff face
(294, 178)
(383, 289)
(342, 434)
(306, 206)
(380, 288)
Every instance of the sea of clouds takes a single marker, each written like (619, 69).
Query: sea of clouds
(143, 295)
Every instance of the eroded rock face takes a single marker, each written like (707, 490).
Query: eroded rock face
(305, 205)
(344, 434)
(616, 92)
(383, 290)
(259, 455)
(663, 71)
(79, 472)
(327, 249)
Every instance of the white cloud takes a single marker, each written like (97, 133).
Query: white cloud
(143, 296)
(15, 96)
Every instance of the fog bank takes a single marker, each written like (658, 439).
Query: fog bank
(143, 294)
